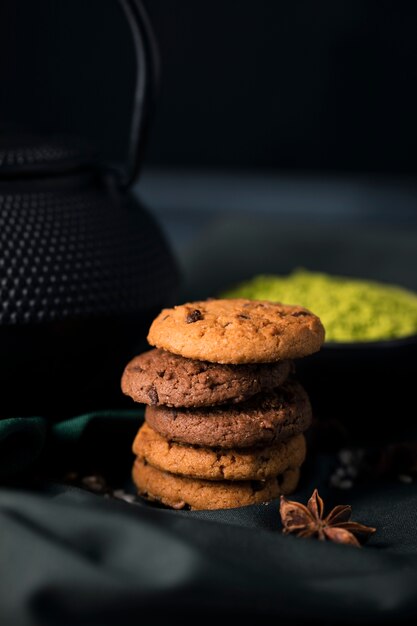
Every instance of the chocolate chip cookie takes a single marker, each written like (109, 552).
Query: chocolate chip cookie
(237, 331)
(215, 463)
(180, 492)
(159, 378)
(262, 420)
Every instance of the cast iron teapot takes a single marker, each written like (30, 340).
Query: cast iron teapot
(83, 267)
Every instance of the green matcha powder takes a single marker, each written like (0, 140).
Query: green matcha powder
(350, 309)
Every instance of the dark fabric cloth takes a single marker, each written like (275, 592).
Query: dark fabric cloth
(21, 442)
(31, 445)
(68, 556)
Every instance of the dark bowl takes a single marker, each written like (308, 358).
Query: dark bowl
(367, 387)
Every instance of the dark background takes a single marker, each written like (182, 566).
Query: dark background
(285, 135)
(268, 84)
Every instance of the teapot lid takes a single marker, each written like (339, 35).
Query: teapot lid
(26, 155)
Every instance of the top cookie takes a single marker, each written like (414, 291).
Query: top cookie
(237, 331)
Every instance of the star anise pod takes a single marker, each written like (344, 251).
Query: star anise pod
(309, 521)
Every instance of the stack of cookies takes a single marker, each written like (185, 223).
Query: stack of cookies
(225, 417)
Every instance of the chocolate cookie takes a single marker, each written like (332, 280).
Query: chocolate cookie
(217, 464)
(262, 420)
(180, 492)
(158, 377)
(237, 331)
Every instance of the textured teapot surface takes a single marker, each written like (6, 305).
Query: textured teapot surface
(83, 269)
(73, 246)
(23, 155)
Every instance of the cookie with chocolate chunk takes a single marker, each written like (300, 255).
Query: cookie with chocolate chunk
(262, 420)
(158, 377)
(237, 331)
(180, 492)
(215, 463)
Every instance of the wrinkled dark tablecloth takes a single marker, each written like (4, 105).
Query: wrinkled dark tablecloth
(68, 556)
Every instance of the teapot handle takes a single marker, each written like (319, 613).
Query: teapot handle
(147, 78)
